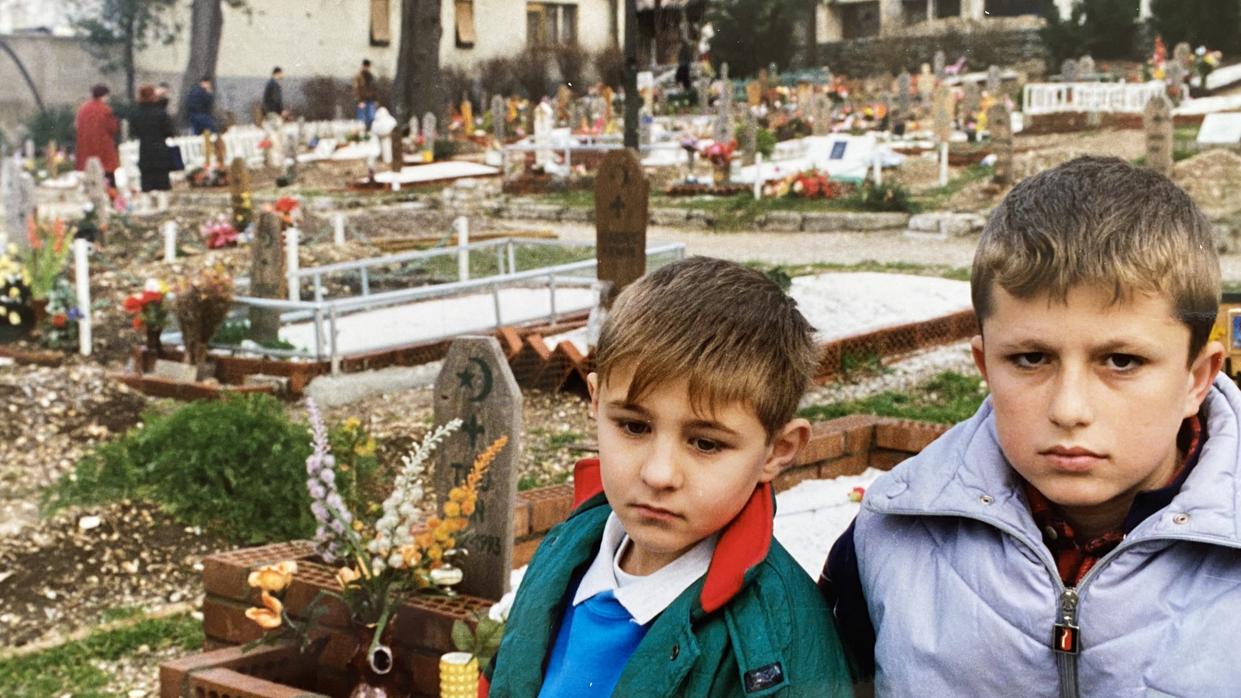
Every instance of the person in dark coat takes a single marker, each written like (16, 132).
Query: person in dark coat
(152, 127)
(97, 129)
(273, 94)
(199, 106)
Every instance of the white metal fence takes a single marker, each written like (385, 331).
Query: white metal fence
(1114, 97)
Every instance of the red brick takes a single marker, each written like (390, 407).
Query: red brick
(859, 430)
(792, 476)
(906, 435)
(826, 442)
(510, 341)
(225, 619)
(883, 459)
(521, 518)
(226, 682)
(549, 506)
(523, 551)
(852, 464)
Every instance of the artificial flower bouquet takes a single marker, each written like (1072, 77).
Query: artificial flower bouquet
(218, 232)
(147, 306)
(809, 184)
(382, 562)
(719, 153)
(61, 329)
(288, 210)
(45, 260)
(15, 298)
(214, 175)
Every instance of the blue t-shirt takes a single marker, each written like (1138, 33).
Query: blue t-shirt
(594, 643)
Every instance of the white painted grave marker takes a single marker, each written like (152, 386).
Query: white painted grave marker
(81, 273)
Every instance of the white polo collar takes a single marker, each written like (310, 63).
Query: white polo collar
(643, 597)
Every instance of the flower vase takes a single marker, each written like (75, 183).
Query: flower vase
(719, 173)
(458, 675)
(154, 347)
(40, 310)
(375, 672)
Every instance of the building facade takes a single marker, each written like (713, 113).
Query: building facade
(839, 20)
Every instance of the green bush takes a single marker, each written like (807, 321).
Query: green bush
(884, 197)
(947, 398)
(1102, 28)
(1215, 24)
(766, 142)
(235, 466)
(54, 124)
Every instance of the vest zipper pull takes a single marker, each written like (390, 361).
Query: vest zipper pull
(1065, 637)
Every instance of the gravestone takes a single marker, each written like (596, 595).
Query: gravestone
(1183, 55)
(96, 184)
(221, 151)
(993, 79)
(753, 93)
(28, 149)
(926, 84)
(805, 93)
(904, 93)
(429, 131)
(723, 131)
(544, 123)
(497, 118)
(940, 63)
(821, 115)
(1176, 80)
(971, 101)
(646, 127)
(621, 201)
(1000, 124)
(1068, 70)
(1158, 122)
(415, 129)
(1086, 67)
(398, 149)
(239, 192)
(749, 136)
(267, 277)
(704, 95)
(942, 113)
(1220, 129)
(477, 386)
(19, 203)
(467, 117)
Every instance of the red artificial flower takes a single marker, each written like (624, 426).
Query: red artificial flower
(60, 320)
(265, 144)
(286, 205)
(132, 303)
(138, 322)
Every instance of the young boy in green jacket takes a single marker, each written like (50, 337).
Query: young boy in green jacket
(666, 579)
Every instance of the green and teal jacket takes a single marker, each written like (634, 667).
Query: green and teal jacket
(754, 625)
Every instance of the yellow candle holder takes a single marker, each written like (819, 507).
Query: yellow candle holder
(458, 675)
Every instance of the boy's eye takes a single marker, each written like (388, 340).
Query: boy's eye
(1029, 359)
(705, 445)
(1124, 362)
(633, 427)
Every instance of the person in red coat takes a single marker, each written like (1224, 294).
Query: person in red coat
(97, 129)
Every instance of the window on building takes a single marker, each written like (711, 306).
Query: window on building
(1012, 8)
(465, 23)
(947, 8)
(550, 24)
(859, 20)
(914, 11)
(381, 32)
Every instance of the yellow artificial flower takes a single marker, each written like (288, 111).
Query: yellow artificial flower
(435, 553)
(456, 494)
(353, 423)
(345, 575)
(467, 507)
(274, 578)
(365, 449)
(452, 509)
(15, 319)
(15, 292)
(268, 617)
(441, 534)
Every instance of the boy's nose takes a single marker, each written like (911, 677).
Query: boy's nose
(1070, 400)
(659, 469)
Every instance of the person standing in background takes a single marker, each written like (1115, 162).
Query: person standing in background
(273, 94)
(365, 93)
(97, 129)
(152, 127)
(199, 106)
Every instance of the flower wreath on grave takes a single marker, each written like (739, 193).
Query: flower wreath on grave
(809, 184)
(16, 313)
(380, 563)
(211, 176)
(218, 232)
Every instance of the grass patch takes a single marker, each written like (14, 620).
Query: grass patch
(947, 398)
(937, 198)
(71, 669)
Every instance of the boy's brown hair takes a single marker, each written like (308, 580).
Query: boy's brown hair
(730, 331)
(1101, 221)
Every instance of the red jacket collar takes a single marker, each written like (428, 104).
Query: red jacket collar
(743, 543)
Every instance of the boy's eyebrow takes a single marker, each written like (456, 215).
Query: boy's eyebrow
(1113, 345)
(693, 424)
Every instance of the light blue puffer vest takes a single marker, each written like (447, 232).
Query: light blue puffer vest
(964, 595)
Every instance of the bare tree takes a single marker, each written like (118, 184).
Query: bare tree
(417, 88)
(206, 29)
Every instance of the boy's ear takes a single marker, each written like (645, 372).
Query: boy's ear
(1201, 374)
(785, 446)
(592, 384)
(980, 357)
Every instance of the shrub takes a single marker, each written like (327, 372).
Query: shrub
(884, 197)
(610, 67)
(1215, 24)
(530, 72)
(571, 60)
(750, 34)
(323, 94)
(1102, 28)
(457, 85)
(236, 466)
(496, 76)
(53, 124)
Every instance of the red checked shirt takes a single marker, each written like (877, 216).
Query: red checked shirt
(1075, 557)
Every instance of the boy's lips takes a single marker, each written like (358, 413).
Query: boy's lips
(650, 511)
(1072, 459)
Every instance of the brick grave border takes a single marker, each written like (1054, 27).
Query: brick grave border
(844, 446)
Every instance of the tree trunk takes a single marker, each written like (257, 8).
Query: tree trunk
(632, 98)
(206, 27)
(417, 89)
(130, 40)
(812, 34)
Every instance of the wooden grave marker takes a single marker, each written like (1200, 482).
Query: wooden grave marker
(477, 386)
(1158, 122)
(621, 202)
(96, 185)
(999, 122)
(267, 277)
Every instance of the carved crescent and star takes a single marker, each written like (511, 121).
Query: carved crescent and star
(465, 379)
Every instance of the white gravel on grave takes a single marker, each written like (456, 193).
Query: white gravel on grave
(840, 304)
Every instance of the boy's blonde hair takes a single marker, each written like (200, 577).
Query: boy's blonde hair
(1101, 221)
(730, 331)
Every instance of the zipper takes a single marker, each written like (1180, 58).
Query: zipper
(1065, 641)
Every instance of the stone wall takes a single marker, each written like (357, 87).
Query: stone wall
(984, 47)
